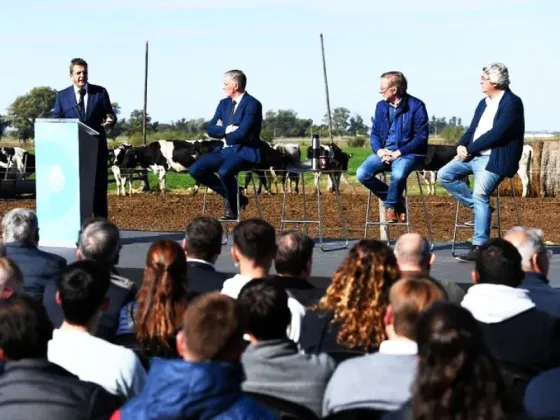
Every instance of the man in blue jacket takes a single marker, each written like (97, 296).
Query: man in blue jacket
(238, 121)
(399, 139)
(490, 150)
(92, 106)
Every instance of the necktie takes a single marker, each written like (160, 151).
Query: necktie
(232, 111)
(81, 104)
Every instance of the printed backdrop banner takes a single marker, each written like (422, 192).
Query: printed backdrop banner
(65, 158)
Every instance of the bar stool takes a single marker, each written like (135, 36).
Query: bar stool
(499, 214)
(257, 201)
(319, 221)
(369, 223)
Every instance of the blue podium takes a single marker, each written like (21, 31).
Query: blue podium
(66, 156)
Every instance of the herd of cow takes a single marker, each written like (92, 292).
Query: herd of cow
(163, 156)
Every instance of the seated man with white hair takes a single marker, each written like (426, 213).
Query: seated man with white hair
(490, 150)
(20, 233)
(535, 263)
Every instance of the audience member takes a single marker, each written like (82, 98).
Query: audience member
(82, 288)
(154, 319)
(541, 396)
(348, 320)
(20, 233)
(382, 380)
(11, 278)
(99, 241)
(523, 339)
(253, 250)
(32, 387)
(457, 376)
(273, 364)
(535, 263)
(203, 246)
(293, 262)
(206, 382)
(415, 259)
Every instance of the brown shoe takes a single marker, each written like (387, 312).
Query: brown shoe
(391, 215)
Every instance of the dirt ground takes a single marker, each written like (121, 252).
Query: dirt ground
(171, 212)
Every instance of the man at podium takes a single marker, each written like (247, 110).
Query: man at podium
(91, 105)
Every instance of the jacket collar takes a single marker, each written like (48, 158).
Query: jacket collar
(534, 278)
(287, 282)
(36, 364)
(18, 244)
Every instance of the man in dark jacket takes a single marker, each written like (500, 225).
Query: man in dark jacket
(20, 233)
(206, 382)
(490, 150)
(399, 139)
(203, 246)
(32, 387)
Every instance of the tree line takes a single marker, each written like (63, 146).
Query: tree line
(39, 102)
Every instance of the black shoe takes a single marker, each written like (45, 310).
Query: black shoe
(229, 214)
(470, 256)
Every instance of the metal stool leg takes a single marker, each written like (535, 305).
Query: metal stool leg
(204, 201)
(499, 212)
(341, 218)
(515, 203)
(318, 188)
(304, 203)
(455, 230)
(257, 201)
(366, 224)
(283, 209)
(426, 213)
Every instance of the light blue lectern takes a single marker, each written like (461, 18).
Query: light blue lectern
(65, 159)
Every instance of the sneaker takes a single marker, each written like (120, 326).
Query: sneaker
(391, 215)
(470, 256)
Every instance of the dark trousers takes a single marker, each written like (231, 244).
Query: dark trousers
(226, 164)
(100, 204)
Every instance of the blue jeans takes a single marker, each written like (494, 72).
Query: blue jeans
(400, 168)
(450, 177)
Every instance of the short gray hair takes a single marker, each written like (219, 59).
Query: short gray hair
(20, 225)
(100, 241)
(238, 77)
(531, 245)
(415, 251)
(498, 75)
(397, 79)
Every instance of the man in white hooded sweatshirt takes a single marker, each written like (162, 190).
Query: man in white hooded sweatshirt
(254, 248)
(522, 338)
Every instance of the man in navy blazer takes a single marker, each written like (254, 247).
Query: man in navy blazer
(237, 121)
(490, 150)
(92, 106)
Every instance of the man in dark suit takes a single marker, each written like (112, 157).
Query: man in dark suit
(203, 246)
(237, 120)
(92, 106)
(490, 150)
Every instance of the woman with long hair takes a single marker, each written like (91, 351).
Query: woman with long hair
(156, 315)
(349, 317)
(457, 377)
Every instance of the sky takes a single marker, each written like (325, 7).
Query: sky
(440, 46)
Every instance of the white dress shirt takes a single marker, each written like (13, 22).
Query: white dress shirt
(77, 93)
(487, 120)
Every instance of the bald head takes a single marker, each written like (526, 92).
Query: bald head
(530, 244)
(413, 253)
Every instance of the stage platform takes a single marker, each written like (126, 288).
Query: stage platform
(136, 244)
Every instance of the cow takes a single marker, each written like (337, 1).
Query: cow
(162, 156)
(18, 161)
(334, 161)
(277, 158)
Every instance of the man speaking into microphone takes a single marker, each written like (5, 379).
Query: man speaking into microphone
(91, 105)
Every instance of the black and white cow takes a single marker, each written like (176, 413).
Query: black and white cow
(277, 159)
(17, 161)
(162, 156)
(437, 156)
(334, 161)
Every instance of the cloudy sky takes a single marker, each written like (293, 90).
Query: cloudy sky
(440, 45)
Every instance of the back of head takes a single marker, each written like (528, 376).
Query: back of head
(163, 294)
(409, 298)
(203, 238)
(528, 241)
(413, 251)
(267, 309)
(294, 254)
(213, 327)
(20, 225)
(11, 277)
(456, 376)
(100, 241)
(82, 287)
(359, 293)
(25, 328)
(255, 239)
(499, 262)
